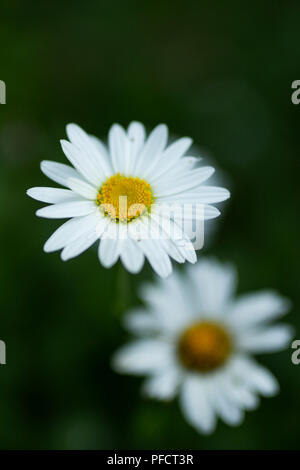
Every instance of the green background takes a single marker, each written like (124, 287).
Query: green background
(220, 72)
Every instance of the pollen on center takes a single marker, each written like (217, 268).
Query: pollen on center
(124, 198)
(204, 347)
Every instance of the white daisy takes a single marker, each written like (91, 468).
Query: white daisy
(196, 340)
(144, 173)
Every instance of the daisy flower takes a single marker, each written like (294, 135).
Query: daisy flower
(118, 195)
(196, 340)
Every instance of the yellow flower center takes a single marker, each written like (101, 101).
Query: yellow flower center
(124, 198)
(204, 347)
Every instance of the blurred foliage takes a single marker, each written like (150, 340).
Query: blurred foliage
(220, 72)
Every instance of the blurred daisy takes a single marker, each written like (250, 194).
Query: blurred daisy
(197, 340)
(116, 195)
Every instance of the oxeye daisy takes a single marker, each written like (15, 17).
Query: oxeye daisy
(196, 340)
(120, 195)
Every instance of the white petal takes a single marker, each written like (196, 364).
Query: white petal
(52, 195)
(69, 231)
(110, 246)
(214, 285)
(175, 234)
(181, 212)
(131, 256)
(238, 392)
(186, 249)
(210, 212)
(187, 182)
(202, 195)
(67, 209)
(87, 146)
(245, 398)
(269, 339)
(263, 381)
(174, 289)
(59, 172)
(109, 252)
(162, 386)
(154, 145)
(151, 247)
(212, 194)
(224, 406)
(143, 356)
(168, 229)
(169, 157)
(171, 234)
(171, 249)
(140, 321)
(102, 224)
(182, 166)
(119, 148)
(84, 164)
(196, 406)
(258, 378)
(157, 257)
(83, 189)
(105, 157)
(169, 304)
(79, 245)
(253, 309)
(136, 137)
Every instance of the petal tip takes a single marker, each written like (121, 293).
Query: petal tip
(39, 213)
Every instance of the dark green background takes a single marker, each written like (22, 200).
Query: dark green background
(220, 72)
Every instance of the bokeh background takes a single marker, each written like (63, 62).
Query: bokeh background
(220, 72)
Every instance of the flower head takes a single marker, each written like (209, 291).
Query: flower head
(138, 197)
(196, 339)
